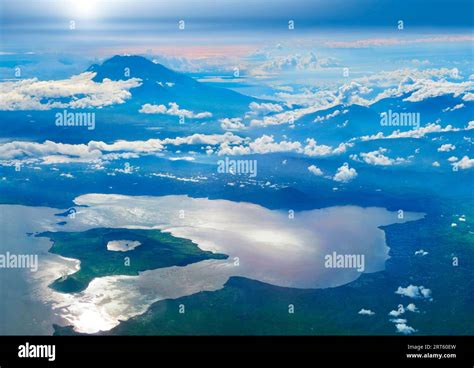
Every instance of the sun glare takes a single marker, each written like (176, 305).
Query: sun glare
(85, 8)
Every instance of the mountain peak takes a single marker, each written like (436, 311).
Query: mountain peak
(121, 67)
(160, 85)
(125, 60)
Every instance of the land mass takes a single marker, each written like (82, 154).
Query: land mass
(156, 250)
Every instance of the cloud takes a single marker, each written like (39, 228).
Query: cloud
(308, 97)
(407, 77)
(397, 312)
(403, 328)
(345, 174)
(366, 312)
(80, 90)
(425, 89)
(464, 163)
(402, 310)
(378, 158)
(350, 93)
(468, 96)
(412, 308)
(184, 158)
(312, 149)
(436, 164)
(315, 170)
(267, 144)
(421, 252)
(383, 42)
(232, 123)
(292, 63)
(173, 110)
(263, 108)
(335, 113)
(50, 152)
(208, 139)
(446, 147)
(414, 133)
(455, 107)
(262, 145)
(415, 292)
(418, 84)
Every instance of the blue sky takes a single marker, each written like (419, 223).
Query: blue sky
(220, 36)
(28, 24)
(365, 13)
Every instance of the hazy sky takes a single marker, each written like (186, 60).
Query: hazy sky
(365, 13)
(221, 29)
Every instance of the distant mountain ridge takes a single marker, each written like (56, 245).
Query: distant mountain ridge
(161, 85)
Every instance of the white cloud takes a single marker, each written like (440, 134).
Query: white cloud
(415, 292)
(335, 113)
(208, 139)
(173, 109)
(397, 312)
(291, 116)
(350, 93)
(421, 252)
(50, 152)
(419, 84)
(413, 133)
(81, 90)
(231, 123)
(425, 89)
(456, 107)
(262, 145)
(412, 308)
(465, 163)
(290, 63)
(183, 158)
(267, 144)
(312, 149)
(263, 108)
(315, 170)
(468, 96)
(398, 320)
(383, 42)
(345, 173)
(366, 312)
(404, 328)
(436, 164)
(408, 76)
(446, 147)
(378, 158)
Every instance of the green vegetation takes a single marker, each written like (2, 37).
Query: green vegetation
(248, 307)
(157, 250)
